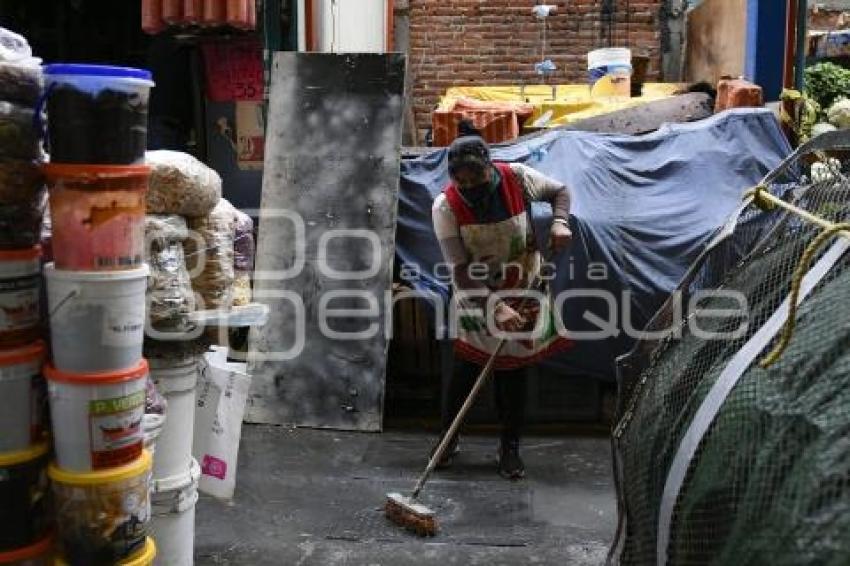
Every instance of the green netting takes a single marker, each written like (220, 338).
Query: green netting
(770, 481)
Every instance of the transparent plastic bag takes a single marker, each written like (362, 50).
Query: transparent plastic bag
(212, 267)
(180, 184)
(243, 258)
(170, 294)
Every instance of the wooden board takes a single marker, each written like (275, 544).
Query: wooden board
(717, 40)
(332, 166)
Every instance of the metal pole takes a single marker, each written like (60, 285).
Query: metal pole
(802, 38)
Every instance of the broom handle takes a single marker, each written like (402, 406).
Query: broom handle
(458, 420)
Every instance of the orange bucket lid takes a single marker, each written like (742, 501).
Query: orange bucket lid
(36, 550)
(86, 172)
(121, 376)
(21, 255)
(28, 353)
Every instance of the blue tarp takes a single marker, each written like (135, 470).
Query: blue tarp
(643, 209)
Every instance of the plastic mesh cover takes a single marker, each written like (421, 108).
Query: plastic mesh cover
(770, 481)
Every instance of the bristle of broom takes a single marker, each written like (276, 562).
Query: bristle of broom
(413, 516)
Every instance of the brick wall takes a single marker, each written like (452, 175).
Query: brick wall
(497, 42)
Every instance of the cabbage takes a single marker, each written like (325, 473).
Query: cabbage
(822, 128)
(839, 114)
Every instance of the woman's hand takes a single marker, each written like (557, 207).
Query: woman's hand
(507, 319)
(561, 236)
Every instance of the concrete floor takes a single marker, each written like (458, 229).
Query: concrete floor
(307, 497)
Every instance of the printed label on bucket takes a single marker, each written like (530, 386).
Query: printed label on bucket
(116, 430)
(19, 300)
(124, 329)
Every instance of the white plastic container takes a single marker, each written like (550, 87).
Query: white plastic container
(97, 418)
(20, 290)
(97, 319)
(173, 517)
(176, 381)
(610, 72)
(22, 397)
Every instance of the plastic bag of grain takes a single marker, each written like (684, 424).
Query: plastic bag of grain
(170, 294)
(209, 255)
(243, 258)
(180, 184)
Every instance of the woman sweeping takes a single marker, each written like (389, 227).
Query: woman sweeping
(483, 223)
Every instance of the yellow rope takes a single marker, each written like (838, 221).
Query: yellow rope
(796, 282)
(758, 194)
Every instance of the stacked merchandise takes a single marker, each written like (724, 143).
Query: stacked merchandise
(25, 509)
(157, 15)
(97, 379)
(191, 262)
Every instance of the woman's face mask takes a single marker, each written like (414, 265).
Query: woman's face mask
(470, 179)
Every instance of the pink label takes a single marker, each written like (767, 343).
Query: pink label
(214, 467)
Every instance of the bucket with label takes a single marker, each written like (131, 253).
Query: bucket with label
(176, 381)
(610, 73)
(98, 215)
(25, 510)
(98, 113)
(20, 292)
(38, 554)
(102, 517)
(97, 417)
(22, 397)
(173, 516)
(97, 319)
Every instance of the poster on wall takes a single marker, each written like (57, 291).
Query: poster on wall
(234, 71)
(250, 135)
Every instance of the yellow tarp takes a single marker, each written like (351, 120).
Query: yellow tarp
(571, 102)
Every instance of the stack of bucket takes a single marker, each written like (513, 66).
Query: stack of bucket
(25, 513)
(97, 181)
(176, 473)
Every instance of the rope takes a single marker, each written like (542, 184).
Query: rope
(764, 200)
(799, 273)
(758, 194)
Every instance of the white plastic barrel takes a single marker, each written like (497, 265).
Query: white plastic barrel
(97, 319)
(173, 516)
(609, 72)
(21, 397)
(97, 418)
(176, 381)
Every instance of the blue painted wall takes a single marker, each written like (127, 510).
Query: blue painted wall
(765, 60)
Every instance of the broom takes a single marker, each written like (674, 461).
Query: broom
(406, 511)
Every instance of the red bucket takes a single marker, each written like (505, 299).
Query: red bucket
(98, 215)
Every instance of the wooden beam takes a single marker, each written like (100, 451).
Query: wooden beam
(309, 29)
(390, 40)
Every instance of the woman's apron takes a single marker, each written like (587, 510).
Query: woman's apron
(509, 250)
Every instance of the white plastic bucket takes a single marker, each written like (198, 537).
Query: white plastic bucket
(173, 517)
(97, 418)
(97, 319)
(152, 425)
(22, 397)
(176, 382)
(609, 72)
(20, 293)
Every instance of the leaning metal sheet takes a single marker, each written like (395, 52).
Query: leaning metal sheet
(326, 242)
